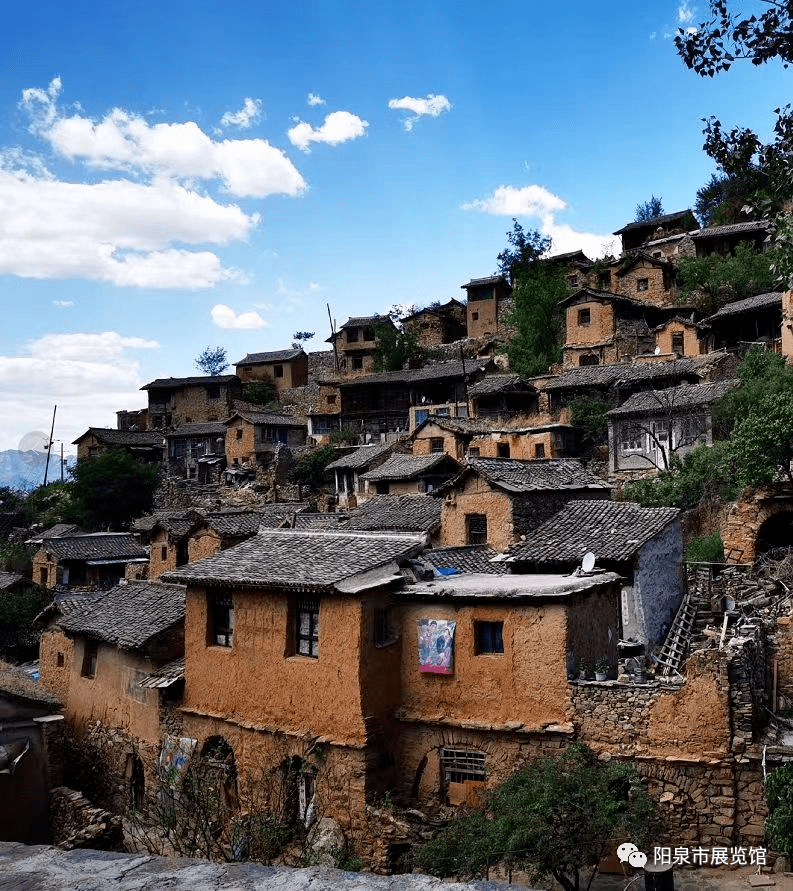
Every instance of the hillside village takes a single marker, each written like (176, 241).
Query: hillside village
(468, 590)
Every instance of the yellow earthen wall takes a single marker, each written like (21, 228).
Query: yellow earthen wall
(787, 326)
(476, 497)
(202, 544)
(521, 445)
(295, 373)
(627, 284)
(452, 445)
(486, 321)
(192, 405)
(240, 451)
(54, 677)
(42, 562)
(691, 344)
(600, 327)
(157, 566)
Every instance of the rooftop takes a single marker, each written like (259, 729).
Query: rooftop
(748, 304)
(122, 437)
(298, 560)
(209, 428)
(10, 580)
(129, 615)
(498, 383)
(731, 229)
(625, 373)
(441, 370)
(175, 383)
(273, 356)
(487, 280)
(401, 513)
(266, 418)
(672, 398)
(467, 558)
(678, 217)
(407, 467)
(361, 457)
(97, 546)
(547, 474)
(488, 587)
(612, 530)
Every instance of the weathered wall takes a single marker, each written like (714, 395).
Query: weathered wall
(453, 444)
(294, 373)
(44, 569)
(162, 554)
(240, 441)
(476, 497)
(56, 659)
(787, 326)
(482, 317)
(691, 342)
(523, 446)
(747, 515)
(658, 585)
(660, 290)
(203, 543)
(601, 325)
(258, 684)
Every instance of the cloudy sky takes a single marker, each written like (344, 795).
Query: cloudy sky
(183, 174)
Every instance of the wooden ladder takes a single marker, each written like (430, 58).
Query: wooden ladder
(675, 648)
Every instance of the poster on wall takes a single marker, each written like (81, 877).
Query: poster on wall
(436, 646)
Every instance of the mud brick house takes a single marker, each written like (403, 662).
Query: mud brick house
(409, 474)
(678, 337)
(739, 325)
(464, 438)
(642, 276)
(347, 470)
(652, 425)
(197, 450)
(724, 239)
(281, 623)
(398, 513)
(11, 582)
(30, 722)
(251, 435)
(639, 233)
(356, 343)
(381, 403)
(438, 323)
(174, 401)
(489, 299)
(284, 369)
(467, 722)
(136, 419)
(98, 559)
(577, 267)
(644, 545)
(602, 328)
(496, 500)
(167, 538)
(502, 396)
(145, 446)
(95, 657)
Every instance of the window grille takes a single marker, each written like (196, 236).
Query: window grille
(381, 629)
(307, 628)
(489, 637)
(222, 620)
(477, 528)
(436, 444)
(460, 765)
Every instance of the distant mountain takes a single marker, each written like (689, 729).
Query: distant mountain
(25, 470)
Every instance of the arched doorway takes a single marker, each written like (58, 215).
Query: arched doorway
(775, 532)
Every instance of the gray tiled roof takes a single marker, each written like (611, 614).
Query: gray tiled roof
(361, 457)
(337, 520)
(748, 304)
(402, 513)
(290, 558)
(546, 474)
(731, 229)
(612, 530)
(175, 383)
(273, 356)
(248, 523)
(165, 676)
(162, 518)
(406, 467)
(611, 297)
(468, 558)
(10, 580)
(487, 280)
(359, 321)
(130, 614)
(122, 437)
(98, 546)
(443, 370)
(684, 396)
(16, 684)
(267, 418)
(609, 375)
(210, 428)
(680, 215)
(498, 383)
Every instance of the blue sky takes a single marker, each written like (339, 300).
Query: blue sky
(183, 174)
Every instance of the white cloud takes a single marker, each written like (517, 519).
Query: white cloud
(339, 126)
(225, 317)
(249, 114)
(88, 376)
(63, 303)
(314, 99)
(685, 13)
(432, 105)
(115, 231)
(537, 201)
(527, 201)
(125, 141)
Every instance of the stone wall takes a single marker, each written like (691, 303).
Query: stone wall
(76, 823)
(746, 517)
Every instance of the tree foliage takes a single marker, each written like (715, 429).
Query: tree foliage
(525, 247)
(310, 469)
(260, 392)
(553, 818)
(300, 337)
(47, 505)
(779, 823)
(112, 489)
(212, 361)
(649, 210)
(710, 282)
(761, 444)
(538, 319)
(395, 348)
(591, 415)
(18, 609)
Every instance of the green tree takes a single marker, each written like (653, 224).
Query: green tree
(47, 505)
(112, 489)
(310, 469)
(537, 318)
(779, 822)
(761, 444)
(525, 247)
(649, 210)
(300, 337)
(591, 415)
(555, 817)
(18, 609)
(395, 348)
(762, 373)
(212, 361)
(260, 392)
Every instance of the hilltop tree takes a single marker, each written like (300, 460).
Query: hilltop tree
(395, 347)
(525, 247)
(649, 210)
(300, 337)
(212, 361)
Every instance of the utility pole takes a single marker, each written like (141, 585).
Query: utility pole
(50, 443)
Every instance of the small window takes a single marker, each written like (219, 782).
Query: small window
(221, 619)
(93, 451)
(278, 370)
(678, 343)
(357, 363)
(331, 399)
(382, 632)
(604, 280)
(381, 487)
(584, 316)
(587, 359)
(476, 528)
(539, 450)
(43, 575)
(90, 651)
(475, 316)
(631, 438)
(213, 392)
(460, 765)
(164, 553)
(238, 432)
(488, 637)
(473, 452)
(352, 335)
(503, 450)
(436, 444)
(642, 284)
(307, 628)
(61, 660)
(573, 280)
(368, 334)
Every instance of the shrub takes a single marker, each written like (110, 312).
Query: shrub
(706, 549)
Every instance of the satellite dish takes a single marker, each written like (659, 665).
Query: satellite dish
(588, 563)
(658, 351)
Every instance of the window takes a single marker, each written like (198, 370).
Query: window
(573, 280)
(473, 452)
(93, 451)
(352, 335)
(213, 392)
(587, 359)
(604, 280)
(678, 343)
(474, 316)
(442, 412)
(239, 432)
(278, 370)
(539, 450)
(382, 631)
(631, 438)
(642, 284)
(421, 415)
(436, 445)
(368, 333)
(307, 628)
(43, 575)
(164, 553)
(357, 363)
(503, 450)
(330, 399)
(459, 765)
(584, 316)
(90, 650)
(61, 660)
(221, 619)
(476, 528)
(488, 637)
(381, 487)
